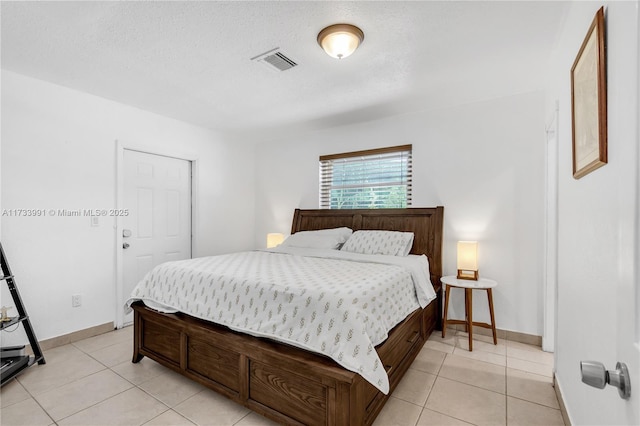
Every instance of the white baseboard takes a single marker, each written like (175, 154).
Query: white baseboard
(563, 408)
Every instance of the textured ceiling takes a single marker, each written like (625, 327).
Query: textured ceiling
(191, 60)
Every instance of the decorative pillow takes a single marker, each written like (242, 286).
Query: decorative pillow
(391, 243)
(322, 239)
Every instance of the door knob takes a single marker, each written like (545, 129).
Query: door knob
(595, 374)
(125, 245)
(126, 233)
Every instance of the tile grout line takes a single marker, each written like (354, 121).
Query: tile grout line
(550, 379)
(164, 412)
(93, 405)
(533, 402)
(506, 390)
(34, 400)
(133, 385)
(169, 408)
(137, 386)
(453, 380)
(422, 407)
(242, 418)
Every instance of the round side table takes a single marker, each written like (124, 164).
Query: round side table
(469, 285)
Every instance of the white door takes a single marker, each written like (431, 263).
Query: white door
(626, 304)
(599, 241)
(625, 222)
(157, 193)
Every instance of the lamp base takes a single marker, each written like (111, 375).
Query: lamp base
(467, 275)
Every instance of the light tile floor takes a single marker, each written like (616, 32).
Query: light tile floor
(93, 382)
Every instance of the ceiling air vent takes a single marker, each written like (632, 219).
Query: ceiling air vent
(275, 60)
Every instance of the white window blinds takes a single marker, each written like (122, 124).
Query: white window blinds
(376, 178)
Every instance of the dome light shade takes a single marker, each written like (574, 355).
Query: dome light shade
(340, 40)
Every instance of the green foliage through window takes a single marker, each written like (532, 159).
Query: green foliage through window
(366, 179)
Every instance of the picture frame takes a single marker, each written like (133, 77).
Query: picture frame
(589, 101)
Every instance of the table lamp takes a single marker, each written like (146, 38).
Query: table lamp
(468, 260)
(274, 239)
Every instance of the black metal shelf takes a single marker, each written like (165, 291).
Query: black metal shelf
(16, 365)
(13, 321)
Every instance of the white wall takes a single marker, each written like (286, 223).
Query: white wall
(483, 162)
(59, 152)
(592, 211)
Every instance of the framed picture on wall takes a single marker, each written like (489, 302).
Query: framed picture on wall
(589, 101)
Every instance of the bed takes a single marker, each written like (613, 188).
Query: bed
(285, 383)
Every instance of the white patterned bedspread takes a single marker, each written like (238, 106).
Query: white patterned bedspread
(330, 302)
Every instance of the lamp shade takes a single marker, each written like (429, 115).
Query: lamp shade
(468, 260)
(274, 239)
(340, 40)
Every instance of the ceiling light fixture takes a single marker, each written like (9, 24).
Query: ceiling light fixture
(340, 40)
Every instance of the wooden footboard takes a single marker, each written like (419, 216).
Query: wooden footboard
(286, 384)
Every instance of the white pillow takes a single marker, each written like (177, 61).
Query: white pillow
(343, 232)
(390, 243)
(321, 239)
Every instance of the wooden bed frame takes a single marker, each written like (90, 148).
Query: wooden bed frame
(287, 384)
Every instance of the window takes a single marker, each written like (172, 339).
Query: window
(372, 179)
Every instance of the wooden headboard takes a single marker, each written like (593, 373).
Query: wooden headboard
(425, 223)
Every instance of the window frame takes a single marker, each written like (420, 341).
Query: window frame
(326, 172)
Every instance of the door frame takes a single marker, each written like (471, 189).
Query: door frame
(550, 290)
(637, 259)
(172, 152)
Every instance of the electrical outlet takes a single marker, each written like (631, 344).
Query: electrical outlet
(76, 301)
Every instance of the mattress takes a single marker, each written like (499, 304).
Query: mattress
(334, 303)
